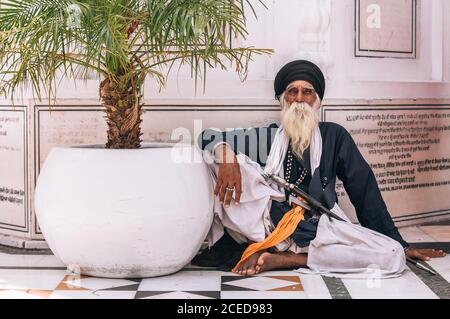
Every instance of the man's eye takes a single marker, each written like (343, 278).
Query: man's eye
(307, 91)
(293, 91)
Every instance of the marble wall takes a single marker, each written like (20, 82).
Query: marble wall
(396, 108)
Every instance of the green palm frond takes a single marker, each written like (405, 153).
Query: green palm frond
(40, 39)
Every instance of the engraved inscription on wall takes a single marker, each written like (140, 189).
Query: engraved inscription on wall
(13, 169)
(408, 150)
(68, 126)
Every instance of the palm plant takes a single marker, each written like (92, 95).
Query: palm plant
(122, 41)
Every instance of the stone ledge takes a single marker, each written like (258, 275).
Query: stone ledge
(21, 243)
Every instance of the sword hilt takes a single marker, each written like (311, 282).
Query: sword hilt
(314, 203)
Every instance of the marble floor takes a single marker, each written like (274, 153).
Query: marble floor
(40, 275)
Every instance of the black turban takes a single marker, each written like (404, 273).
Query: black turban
(299, 70)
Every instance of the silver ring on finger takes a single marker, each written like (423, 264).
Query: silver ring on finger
(229, 189)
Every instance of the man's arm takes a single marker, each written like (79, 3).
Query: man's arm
(224, 146)
(362, 189)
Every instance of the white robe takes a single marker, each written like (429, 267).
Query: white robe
(340, 249)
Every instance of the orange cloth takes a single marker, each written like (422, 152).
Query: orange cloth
(284, 229)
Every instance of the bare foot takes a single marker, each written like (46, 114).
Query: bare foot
(424, 254)
(248, 267)
(280, 260)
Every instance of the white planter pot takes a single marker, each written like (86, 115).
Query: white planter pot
(124, 213)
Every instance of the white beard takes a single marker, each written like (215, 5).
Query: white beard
(299, 121)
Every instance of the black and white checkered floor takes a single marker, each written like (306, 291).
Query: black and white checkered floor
(44, 276)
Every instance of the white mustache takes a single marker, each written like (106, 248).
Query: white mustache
(299, 110)
(300, 107)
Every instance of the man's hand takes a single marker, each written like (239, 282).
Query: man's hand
(229, 177)
(424, 254)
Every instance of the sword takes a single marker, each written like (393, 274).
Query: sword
(419, 265)
(311, 201)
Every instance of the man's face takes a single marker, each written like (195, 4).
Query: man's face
(299, 114)
(300, 91)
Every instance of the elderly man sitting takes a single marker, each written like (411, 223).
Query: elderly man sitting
(310, 154)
